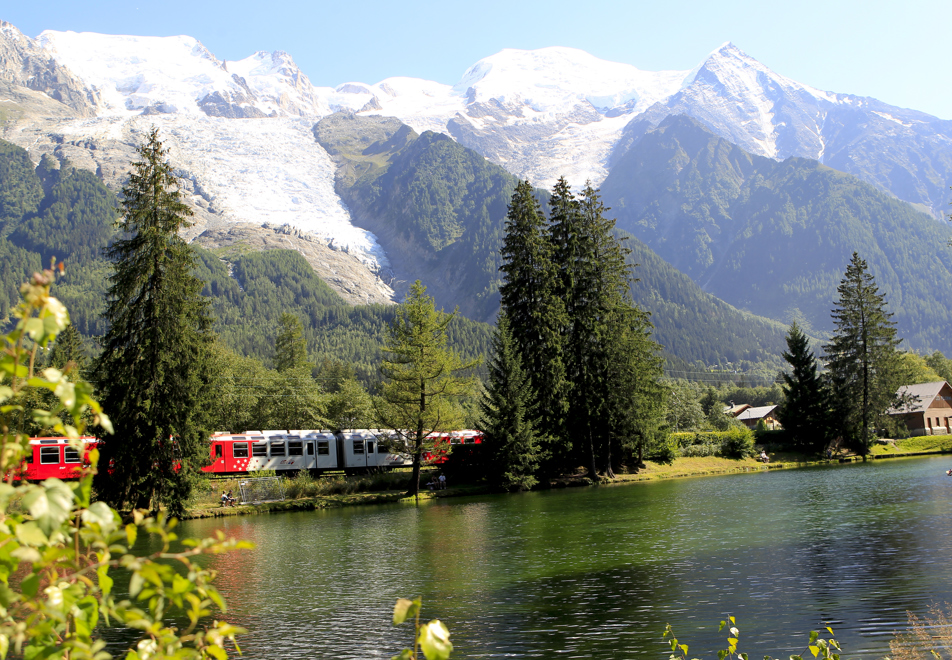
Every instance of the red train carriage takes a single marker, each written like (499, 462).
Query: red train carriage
(54, 457)
(444, 443)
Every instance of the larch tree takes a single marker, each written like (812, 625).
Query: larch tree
(861, 356)
(805, 412)
(424, 379)
(152, 372)
(508, 418)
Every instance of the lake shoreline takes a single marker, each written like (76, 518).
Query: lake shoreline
(681, 468)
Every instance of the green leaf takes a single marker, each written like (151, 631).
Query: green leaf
(684, 649)
(135, 584)
(4, 646)
(405, 608)
(405, 654)
(721, 627)
(30, 533)
(434, 639)
(180, 585)
(815, 650)
(217, 651)
(105, 582)
(30, 585)
(813, 635)
(131, 531)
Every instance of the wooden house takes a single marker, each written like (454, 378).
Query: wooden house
(926, 408)
(750, 417)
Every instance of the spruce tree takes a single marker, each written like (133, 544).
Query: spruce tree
(805, 412)
(509, 433)
(424, 378)
(860, 356)
(152, 372)
(536, 314)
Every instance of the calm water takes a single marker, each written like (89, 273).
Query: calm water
(597, 573)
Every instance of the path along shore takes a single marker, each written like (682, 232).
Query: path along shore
(680, 468)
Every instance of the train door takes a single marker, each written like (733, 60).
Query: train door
(355, 451)
(218, 455)
(240, 455)
(326, 452)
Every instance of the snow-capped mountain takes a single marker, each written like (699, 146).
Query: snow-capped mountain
(240, 134)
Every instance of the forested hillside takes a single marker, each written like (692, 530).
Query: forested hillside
(775, 237)
(427, 195)
(60, 211)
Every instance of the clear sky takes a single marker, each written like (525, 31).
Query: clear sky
(898, 52)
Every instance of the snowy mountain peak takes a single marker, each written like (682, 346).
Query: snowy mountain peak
(549, 79)
(171, 75)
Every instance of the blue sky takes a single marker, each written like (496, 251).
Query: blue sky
(896, 52)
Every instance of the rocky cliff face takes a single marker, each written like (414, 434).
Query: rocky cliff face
(24, 64)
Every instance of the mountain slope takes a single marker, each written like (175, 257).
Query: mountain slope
(775, 237)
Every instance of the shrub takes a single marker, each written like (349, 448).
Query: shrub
(738, 443)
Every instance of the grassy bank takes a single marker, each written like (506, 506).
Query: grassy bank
(305, 493)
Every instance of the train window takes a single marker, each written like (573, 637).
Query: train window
(323, 448)
(71, 455)
(49, 455)
(358, 446)
(277, 448)
(218, 450)
(240, 450)
(310, 449)
(295, 448)
(370, 446)
(259, 449)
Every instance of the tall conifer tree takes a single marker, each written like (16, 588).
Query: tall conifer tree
(153, 368)
(861, 356)
(510, 435)
(529, 298)
(805, 412)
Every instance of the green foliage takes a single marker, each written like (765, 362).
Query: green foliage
(423, 378)
(58, 553)
(941, 365)
(153, 369)
(861, 357)
(20, 189)
(432, 638)
(509, 432)
(805, 414)
(737, 442)
(820, 649)
(683, 411)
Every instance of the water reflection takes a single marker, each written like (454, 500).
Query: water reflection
(599, 572)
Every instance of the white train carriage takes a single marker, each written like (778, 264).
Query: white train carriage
(352, 451)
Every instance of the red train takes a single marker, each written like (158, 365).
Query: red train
(353, 451)
(356, 450)
(54, 457)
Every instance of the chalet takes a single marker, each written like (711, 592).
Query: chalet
(750, 417)
(734, 411)
(926, 408)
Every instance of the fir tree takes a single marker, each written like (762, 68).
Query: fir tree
(860, 356)
(805, 412)
(296, 399)
(529, 299)
(290, 349)
(153, 368)
(423, 378)
(509, 432)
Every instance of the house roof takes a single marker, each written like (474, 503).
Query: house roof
(921, 397)
(734, 411)
(756, 413)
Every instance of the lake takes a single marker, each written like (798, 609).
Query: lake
(598, 572)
